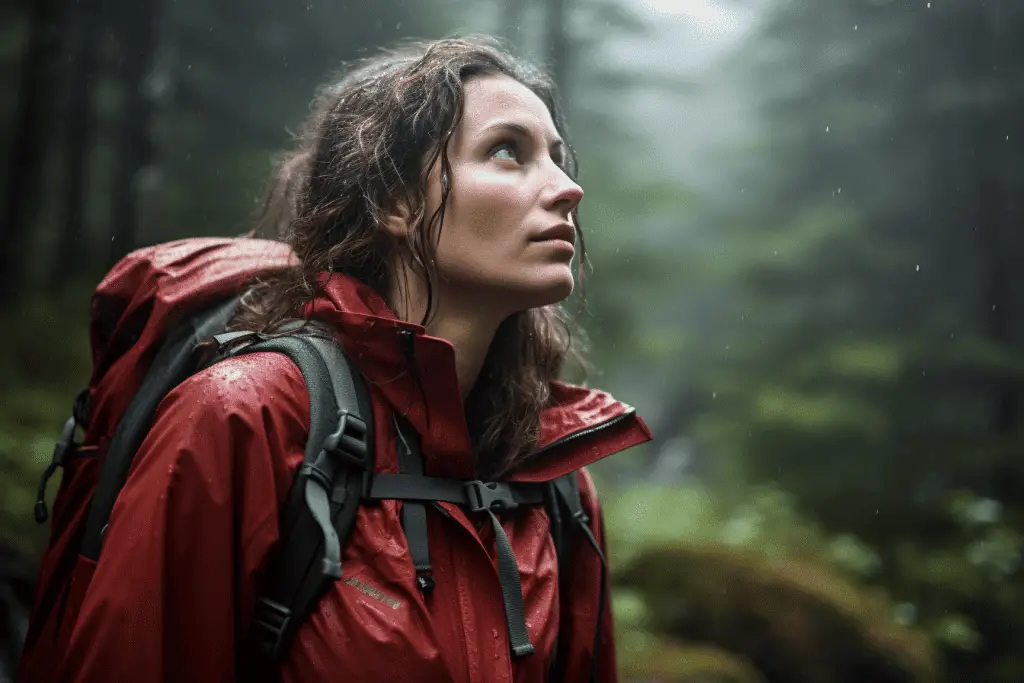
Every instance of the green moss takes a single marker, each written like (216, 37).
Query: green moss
(794, 619)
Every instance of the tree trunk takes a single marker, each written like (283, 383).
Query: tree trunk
(32, 123)
(138, 26)
(84, 38)
(558, 47)
(997, 239)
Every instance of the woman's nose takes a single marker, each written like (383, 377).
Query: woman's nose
(566, 193)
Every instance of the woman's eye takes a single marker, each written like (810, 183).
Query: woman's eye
(506, 151)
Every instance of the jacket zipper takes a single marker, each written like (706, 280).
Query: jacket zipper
(588, 431)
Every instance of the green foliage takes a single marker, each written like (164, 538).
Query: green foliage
(858, 330)
(44, 361)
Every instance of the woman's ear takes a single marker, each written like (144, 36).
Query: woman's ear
(397, 221)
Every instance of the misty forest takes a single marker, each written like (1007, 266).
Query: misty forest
(806, 227)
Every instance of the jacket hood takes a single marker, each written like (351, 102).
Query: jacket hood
(415, 372)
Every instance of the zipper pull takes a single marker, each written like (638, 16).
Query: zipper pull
(408, 345)
(409, 350)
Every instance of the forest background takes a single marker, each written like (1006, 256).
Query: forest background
(805, 221)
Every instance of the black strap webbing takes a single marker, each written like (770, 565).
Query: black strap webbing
(511, 591)
(568, 493)
(476, 496)
(414, 512)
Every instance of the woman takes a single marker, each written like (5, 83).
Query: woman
(433, 212)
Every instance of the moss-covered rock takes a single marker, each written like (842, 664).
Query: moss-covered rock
(795, 621)
(666, 661)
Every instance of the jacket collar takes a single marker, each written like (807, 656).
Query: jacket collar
(415, 374)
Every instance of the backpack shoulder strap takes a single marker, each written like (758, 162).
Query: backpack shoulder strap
(565, 510)
(320, 510)
(568, 520)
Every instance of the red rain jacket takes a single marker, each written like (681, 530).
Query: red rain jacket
(172, 595)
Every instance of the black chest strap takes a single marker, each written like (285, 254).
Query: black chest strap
(417, 490)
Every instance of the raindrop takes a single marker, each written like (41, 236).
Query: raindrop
(826, 128)
(309, 7)
(929, 5)
(917, 268)
(189, 68)
(993, 307)
(855, 27)
(839, 190)
(398, 26)
(714, 394)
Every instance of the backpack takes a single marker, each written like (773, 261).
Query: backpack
(158, 317)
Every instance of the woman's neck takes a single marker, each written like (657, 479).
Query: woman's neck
(470, 328)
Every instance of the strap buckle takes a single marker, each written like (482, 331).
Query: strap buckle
(349, 440)
(270, 622)
(489, 495)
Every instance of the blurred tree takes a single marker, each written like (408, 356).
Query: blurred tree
(862, 344)
(33, 122)
(138, 29)
(86, 19)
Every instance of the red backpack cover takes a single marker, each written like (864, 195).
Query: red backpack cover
(142, 297)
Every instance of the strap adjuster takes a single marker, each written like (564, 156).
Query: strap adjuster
(489, 495)
(270, 622)
(349, 440)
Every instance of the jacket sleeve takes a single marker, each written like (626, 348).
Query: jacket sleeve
(580, 629)
(174, 587)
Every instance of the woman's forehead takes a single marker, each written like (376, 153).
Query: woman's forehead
(495, 100)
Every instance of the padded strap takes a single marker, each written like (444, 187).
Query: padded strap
(320, 510)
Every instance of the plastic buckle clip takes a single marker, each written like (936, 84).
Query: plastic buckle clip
(489, 495)
(271, 620)
(348, 441)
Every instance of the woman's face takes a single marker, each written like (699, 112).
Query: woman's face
(507, 242)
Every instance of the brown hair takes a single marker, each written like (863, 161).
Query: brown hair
(361, 150)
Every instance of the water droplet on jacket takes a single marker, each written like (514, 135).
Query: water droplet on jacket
(494, 632)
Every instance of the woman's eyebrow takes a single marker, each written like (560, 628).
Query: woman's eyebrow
(557, 144)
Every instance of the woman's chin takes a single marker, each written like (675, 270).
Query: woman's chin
(551, 290)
